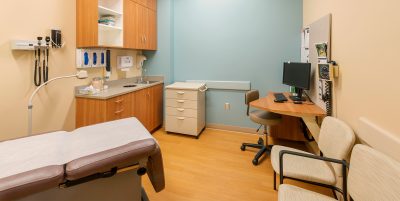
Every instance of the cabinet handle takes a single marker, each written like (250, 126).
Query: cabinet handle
(119, 112)
(180, 118)
(180, 92)
(180, 110)
(180, 101)
(119, 101)
(145, 39)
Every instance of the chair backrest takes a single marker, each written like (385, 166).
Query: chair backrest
(373, 175)
(336, 139)
(250, 96)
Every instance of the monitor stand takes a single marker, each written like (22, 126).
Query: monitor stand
(299, 96)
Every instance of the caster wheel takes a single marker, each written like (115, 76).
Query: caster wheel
(255, 162)
(243, 148)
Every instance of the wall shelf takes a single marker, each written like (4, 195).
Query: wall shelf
(106, 11)
(103, 27)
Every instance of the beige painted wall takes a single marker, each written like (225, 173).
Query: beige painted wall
(365, 43)
(54, 107)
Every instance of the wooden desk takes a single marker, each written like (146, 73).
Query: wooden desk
(308, 111)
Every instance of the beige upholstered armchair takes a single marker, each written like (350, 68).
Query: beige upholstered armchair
(373, 176)
(335, 142)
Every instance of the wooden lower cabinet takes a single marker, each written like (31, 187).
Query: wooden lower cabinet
(148, 107)
(145, 104)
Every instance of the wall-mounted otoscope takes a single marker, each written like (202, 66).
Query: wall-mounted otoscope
(41, 49)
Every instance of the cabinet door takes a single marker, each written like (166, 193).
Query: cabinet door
(142, 15)
(131, 25)
(156, 106)
(152, 4)
(119, 107)
(142, 2)
(86, 23)
(141, 107)
(151, 38)
(89, 112)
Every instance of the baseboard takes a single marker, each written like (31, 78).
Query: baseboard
(232, 128)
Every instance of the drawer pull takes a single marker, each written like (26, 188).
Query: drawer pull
(180, 92)
(180, 118)
(119, 112)
(119, 101)
(180, 101)
(180, 110)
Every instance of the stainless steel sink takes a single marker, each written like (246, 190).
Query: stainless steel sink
(145, 82)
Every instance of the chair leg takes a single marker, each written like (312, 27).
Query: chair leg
(334, 194)
(274, 180)
(258, 146)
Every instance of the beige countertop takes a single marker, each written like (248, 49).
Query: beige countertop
(116, 87)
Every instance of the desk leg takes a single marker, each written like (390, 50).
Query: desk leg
(313, 126)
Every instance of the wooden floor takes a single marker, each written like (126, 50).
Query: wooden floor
(214, 168)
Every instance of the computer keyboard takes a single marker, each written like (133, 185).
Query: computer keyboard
(279, 97)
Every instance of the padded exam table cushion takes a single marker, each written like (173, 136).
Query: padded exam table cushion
(36, 163)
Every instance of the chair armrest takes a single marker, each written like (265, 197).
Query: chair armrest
(312, 156)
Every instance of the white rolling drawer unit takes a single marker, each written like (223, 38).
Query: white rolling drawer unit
(185, 108)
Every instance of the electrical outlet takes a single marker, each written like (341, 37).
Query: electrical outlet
(227, 106)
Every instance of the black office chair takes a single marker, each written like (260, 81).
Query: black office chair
(264, 118)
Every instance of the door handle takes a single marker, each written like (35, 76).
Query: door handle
(119, 112)
(119, 101)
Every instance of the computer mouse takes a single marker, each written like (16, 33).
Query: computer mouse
(298, 102)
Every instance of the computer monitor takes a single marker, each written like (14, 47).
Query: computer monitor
(297, 75)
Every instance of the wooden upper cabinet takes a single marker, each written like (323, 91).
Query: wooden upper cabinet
(131, 25)
(151, 43)
(152, 4)
(140, 24)
(135, 27)
(143, 28)
(86, 23)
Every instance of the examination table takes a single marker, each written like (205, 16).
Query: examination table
(99, 162)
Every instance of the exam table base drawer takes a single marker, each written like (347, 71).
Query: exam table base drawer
(183, 125)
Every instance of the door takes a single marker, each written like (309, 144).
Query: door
(86, 23)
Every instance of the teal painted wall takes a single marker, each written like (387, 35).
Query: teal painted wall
(160, 62)
(232, 40)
